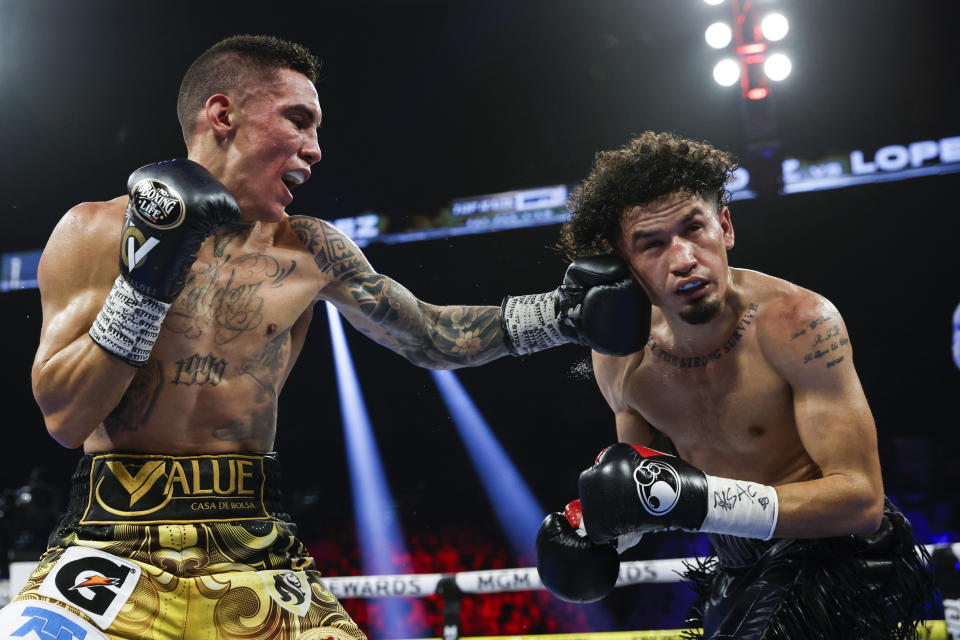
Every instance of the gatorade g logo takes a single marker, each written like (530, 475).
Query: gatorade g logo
(157, 204)
(174, 489)
(289, 589)
(97, 583)
(658, 485)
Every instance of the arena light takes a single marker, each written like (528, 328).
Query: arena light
(718, 35)
(379, 534)
(751, 49)
(513, 503)
(726, 72)
(777, 67)
(774, 27)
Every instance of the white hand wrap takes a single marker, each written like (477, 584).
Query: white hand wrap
(128, 324)
(740, 508)
(530, 323)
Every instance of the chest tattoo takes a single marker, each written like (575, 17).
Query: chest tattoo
(695, 362)
(226, 297)
(199, 370)
(268, 366)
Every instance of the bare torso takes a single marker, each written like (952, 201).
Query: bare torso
(226, 346)
(726, 409)
(228, 340)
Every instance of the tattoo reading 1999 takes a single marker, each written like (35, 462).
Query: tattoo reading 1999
(200, 370)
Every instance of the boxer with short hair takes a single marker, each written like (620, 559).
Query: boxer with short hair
(743, 417)
(172, 317)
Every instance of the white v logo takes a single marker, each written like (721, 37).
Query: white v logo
(135, 255)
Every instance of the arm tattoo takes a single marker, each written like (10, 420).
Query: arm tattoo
(827, 342)
(331, 250)
(137, 403)
(427, 335)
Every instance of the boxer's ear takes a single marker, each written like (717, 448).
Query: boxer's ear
(727, 226)
(218, 115)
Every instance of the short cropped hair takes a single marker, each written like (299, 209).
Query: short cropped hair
(233, 67)
(649, 167)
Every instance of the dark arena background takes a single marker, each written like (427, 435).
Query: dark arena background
(452, 131)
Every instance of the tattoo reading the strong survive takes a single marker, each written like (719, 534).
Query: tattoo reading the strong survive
(828, 342)
(702, 361)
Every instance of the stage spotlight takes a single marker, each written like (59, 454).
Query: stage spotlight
(714, 2)
(379, 535)
(718, 35)
(727, 72)
(514, 505)
(777, 67)
(774, 27)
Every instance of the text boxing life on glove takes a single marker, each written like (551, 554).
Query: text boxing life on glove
(571, 566)
(173, 206)
(635, 489)
(599, 305)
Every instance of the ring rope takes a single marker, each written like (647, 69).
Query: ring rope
(498, 580)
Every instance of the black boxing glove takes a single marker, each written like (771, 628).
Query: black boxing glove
(174, 205)
(571, 566)
(636, 489)
(599, 305)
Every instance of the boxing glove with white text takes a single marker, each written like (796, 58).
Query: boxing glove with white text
(173, 207)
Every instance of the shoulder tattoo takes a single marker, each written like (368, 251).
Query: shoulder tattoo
(826, 340)
(333, 251)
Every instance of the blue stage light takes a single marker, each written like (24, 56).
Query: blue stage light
(513, 503)
(379, 534)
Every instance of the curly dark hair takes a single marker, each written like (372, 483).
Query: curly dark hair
(233, 67)
(650, 166)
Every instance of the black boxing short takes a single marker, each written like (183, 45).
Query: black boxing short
(864, 587)
(198, 546)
